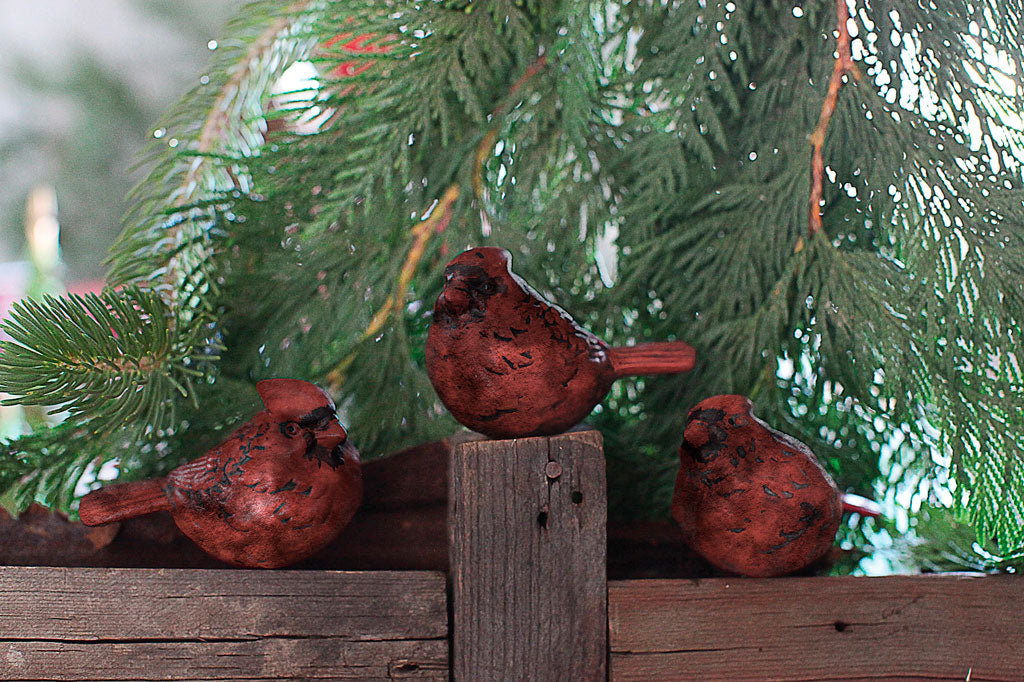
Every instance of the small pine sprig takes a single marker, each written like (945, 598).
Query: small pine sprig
(108, 359)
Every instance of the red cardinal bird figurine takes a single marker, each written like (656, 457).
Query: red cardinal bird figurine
(748, 498)
(279, 489)
(508, 364)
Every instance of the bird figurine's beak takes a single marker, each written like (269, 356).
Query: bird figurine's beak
(454, 300)
(334, 440)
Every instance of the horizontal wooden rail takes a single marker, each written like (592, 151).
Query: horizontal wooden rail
(149, 624)
(528, 589)
(933, 627)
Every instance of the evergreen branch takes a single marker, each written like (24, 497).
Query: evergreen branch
(198, 162)
(218, 119)
(844, 65)
(435, 223)
(214, 130)
(483, 150)
(108, 359)
(45, 466)
(531, 71)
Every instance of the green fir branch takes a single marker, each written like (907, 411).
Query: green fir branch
(111, 360)
(46, 466)
(199, 153)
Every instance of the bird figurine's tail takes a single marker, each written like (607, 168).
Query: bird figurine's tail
(855, 504)
(123, 501)
(665, 357)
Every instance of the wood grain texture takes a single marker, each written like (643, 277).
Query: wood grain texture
(935, 627)
(527, 556)
(117, 624)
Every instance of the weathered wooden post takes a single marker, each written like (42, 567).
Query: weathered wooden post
(527, 523)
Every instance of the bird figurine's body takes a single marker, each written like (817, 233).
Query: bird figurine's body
(748, 498)
(281, 487)
(508, 364)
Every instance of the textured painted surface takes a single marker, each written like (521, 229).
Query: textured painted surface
(279, 489)
(748, 498)
(509, 364)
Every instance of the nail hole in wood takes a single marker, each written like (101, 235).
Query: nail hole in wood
(839, 626)
(577, 497)
(542, 519)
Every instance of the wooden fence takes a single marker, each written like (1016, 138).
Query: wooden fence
(519, 527)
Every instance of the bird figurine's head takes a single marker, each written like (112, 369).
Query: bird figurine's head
(706, 421)
(472, 278)
(304, 411)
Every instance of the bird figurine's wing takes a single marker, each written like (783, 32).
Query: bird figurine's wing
(198, 475)
(225, 465)
(564, 330)
(559, 324)
(201, 484)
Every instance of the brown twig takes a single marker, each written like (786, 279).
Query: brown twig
(843, 66)
(531, 71)
(435, 224)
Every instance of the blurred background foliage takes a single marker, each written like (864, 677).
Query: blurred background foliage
(81, 86)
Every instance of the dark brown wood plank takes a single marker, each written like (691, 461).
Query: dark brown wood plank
(414, 477)
(85, 623)
(41, 537)
(396, 539)
(935, 627)
(45, 603)
(653, 549)
(527, 538)
(402, 526)
(257, 659)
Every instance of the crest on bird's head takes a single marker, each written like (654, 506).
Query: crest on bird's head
(485, 268)
(293, 399)
(728, 404)
(493, 260)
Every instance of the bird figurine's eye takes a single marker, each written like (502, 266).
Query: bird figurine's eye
(290, 429)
